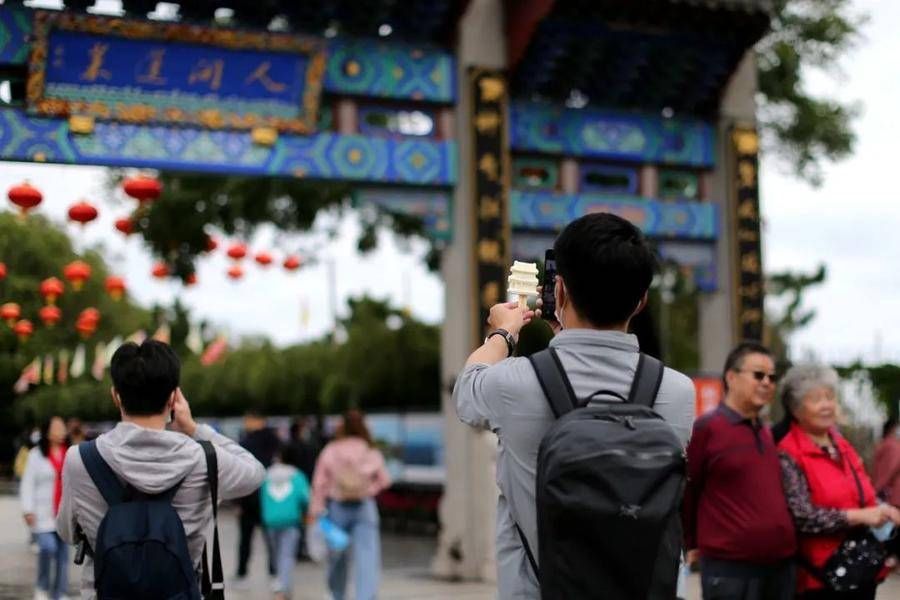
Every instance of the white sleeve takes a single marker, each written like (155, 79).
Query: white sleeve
(26, 487)
(65, 519)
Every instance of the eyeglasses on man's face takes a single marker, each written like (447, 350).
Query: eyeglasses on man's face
(760, 376)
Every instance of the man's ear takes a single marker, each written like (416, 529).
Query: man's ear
(115, 398)
(642, 304)
(559, 290)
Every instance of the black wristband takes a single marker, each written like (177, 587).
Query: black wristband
(507, 336)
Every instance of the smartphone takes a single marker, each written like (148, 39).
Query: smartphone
(548, 309)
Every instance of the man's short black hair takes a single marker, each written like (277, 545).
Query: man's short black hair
(735, 359)
(607, 266)
(145, 376)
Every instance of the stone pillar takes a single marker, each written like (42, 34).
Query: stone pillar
(717, 310)
(468, 508)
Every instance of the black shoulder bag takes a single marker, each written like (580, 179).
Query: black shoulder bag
(858, 560)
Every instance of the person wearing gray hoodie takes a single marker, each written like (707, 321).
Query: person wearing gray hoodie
(150, 458)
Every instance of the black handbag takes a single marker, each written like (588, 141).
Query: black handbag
(858, 560)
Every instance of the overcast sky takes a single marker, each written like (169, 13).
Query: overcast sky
(851, 223)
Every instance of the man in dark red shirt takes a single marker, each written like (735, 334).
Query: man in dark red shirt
(736, 518)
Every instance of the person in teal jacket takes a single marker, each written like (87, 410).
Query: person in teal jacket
(284, 497)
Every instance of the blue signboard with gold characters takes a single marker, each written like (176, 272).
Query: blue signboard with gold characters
(141, 71)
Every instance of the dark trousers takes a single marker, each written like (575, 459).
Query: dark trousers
(867, 593)
(248, 522)
(729, 580)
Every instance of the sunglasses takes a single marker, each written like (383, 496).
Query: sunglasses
(761, 375)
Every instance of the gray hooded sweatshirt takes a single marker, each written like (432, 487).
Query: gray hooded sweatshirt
(152, 462)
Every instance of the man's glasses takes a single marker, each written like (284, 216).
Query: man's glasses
(761, 375)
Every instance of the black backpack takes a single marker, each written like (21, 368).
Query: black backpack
(610, 477)
(141, 550)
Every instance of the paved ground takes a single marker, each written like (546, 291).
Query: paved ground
(405, 577)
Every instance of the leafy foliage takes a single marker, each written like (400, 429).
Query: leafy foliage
(807, 130)
(389, 361)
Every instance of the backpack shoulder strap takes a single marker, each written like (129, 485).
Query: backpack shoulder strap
(556, 386)
(214, 589)
(647, 379)
(101, 474)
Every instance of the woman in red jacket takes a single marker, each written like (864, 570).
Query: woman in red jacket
(828, 492)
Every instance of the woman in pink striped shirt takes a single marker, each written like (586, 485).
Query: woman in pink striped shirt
(349, 473)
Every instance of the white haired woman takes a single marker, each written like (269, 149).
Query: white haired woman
(829, 493)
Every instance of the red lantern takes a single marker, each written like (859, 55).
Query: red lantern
(23, 329)
(237, 251)
(90, 315)
(115, 287)
(87, 322)
(264, 259)
(77, 272)
(160, 270)
(50, 315)
(292, 263)
(190, 279)
(51, 289)
(10, 312)
(211, 243)
(82, 212)
(25, 196)
(142, 188)
(125, 225)
(2, 271)
(235, 272)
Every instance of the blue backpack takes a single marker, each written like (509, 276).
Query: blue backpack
(141, 551)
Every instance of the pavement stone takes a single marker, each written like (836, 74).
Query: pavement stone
(405, 574)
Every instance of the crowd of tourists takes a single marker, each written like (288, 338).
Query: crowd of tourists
(137, 502)
(608, 485)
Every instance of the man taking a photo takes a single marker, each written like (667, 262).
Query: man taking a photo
(150, 460)
(605, 267)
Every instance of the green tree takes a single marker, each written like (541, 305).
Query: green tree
(787, 288)
(806, 130)
(33, 250)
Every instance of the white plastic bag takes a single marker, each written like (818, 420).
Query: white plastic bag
(316, 547)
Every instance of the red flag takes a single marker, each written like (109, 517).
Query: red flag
(215, 351)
